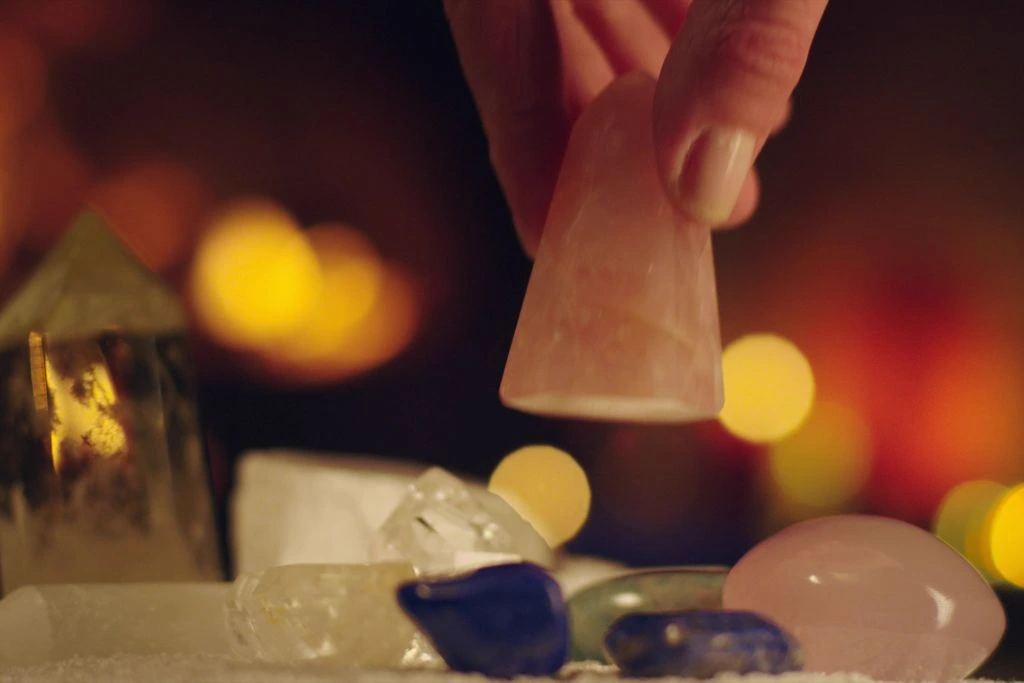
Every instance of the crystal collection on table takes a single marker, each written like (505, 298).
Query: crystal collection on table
(855, 594)
(103, 479)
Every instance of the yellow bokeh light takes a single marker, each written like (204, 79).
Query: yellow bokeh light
(547, 487)
(352, 279)
(256, 278)
(960, 520)
(769, 388)
(825, 464)
(1005, 535)
(340, 352)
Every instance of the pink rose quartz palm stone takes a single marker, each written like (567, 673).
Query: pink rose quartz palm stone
(873, 596)
(620, 319)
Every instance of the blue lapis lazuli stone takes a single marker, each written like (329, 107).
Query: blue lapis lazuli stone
(501, 621)
(700, 644)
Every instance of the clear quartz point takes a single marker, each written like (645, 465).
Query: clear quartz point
(443, 526)
(102, 472)
(330, 614)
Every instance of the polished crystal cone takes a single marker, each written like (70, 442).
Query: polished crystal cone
(102, 471)
(620, 319)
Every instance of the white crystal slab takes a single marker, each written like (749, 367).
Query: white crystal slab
(295, 507)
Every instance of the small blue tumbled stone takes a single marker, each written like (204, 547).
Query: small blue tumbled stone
(501, 621)
(700, 644)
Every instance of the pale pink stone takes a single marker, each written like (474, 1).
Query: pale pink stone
(871, 595)
(620, 319)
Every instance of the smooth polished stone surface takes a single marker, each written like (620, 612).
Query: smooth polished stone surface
(620, 318)
(501, 621)
(871, 595)
(665, 589)
(337, 615)
(441, 520)
(700, 644)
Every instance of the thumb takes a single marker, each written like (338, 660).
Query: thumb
(724, 88)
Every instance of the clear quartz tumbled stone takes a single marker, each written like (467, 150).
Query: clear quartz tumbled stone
(342, 615)
(441, 520)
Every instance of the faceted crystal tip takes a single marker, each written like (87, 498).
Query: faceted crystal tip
(620, 318)
(441, 520)
(88, 284)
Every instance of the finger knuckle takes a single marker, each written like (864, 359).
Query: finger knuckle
(762, 50)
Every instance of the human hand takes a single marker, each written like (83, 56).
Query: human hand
(727, 70)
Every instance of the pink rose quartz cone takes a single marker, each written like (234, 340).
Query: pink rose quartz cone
(873, 596)
(620, 319)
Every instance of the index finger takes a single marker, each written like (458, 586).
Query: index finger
(509, 51)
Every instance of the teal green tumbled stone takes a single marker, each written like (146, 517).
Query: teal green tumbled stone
(592, 610)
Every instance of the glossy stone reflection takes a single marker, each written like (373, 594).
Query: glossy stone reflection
(700, 644)
(595, 608)
(501, 621)
(873, 596)
(102, 472)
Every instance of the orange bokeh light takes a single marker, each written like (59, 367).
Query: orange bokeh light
(105, 26)
(156, 208)
(22, 82)
(48, 184)
(329, 352)
(256, 278)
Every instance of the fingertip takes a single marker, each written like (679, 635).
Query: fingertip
(725, 88)
(746, 204)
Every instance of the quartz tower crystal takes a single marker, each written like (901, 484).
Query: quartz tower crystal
(102, 472)
(620, 319)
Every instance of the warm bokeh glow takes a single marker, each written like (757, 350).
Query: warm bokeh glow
(769, 388)
(1005, 531)
(156, 209)
(353, 276)
(49, 182)
(376, 339)
(961, 516)
(103, 26)
(22, 82)
(824, 465)
(256, 278)
(547, 487)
